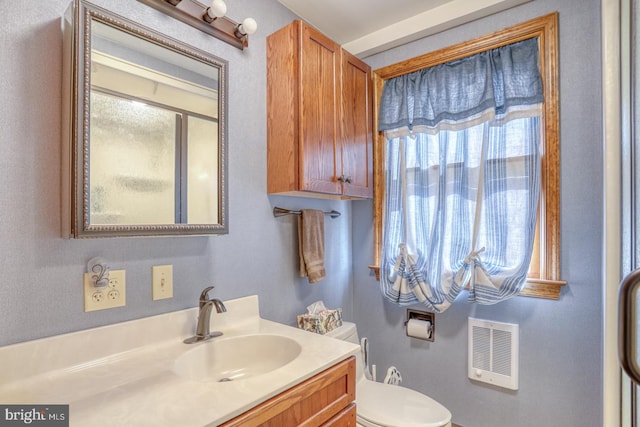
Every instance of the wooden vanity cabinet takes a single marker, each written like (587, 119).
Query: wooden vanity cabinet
(326, 399)
(319, 117)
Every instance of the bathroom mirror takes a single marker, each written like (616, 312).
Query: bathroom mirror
(147, 130)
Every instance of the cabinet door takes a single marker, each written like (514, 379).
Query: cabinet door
(319, 95)
(356, 124)
(283, 115)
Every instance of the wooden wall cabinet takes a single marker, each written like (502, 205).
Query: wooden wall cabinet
(319, 117)
(326, 400)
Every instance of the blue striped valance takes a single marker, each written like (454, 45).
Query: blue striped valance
(491, 84)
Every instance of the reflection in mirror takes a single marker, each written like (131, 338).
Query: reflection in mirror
(150, 139)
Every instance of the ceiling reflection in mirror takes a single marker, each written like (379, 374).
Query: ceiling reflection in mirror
(154, 142)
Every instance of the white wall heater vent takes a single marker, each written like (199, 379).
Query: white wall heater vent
(493, 353)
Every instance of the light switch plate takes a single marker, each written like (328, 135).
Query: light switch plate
(162, 281)
(111, 296)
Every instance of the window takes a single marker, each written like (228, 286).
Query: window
(543, 277)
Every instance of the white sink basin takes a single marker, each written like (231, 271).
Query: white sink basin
(236, 358)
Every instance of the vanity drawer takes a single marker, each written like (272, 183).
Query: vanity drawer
(323, 400)
(347, 418)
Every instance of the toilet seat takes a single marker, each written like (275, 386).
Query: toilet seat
(387, 405)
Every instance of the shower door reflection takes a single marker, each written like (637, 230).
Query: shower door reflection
(150, 164)
(132, 176)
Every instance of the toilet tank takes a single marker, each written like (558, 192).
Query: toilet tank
(349, 332)
(346, 332)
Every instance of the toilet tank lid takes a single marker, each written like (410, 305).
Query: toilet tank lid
(343, 332)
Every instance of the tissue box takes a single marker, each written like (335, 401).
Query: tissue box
(322, 322)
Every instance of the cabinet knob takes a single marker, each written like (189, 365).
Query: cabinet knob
(348, 180)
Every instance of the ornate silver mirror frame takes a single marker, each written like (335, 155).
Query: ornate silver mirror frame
(92, 205)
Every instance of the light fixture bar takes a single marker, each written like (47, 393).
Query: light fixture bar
(190, 12)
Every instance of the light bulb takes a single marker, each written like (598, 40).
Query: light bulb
(248, 26)
(217, 10)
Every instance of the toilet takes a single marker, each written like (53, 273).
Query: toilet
(386, 405)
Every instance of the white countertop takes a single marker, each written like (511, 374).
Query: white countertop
(123, 374)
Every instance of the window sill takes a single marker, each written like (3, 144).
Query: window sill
(536, 288)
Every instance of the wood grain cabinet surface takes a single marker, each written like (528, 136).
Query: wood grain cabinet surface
(327, 399)
(319, 117)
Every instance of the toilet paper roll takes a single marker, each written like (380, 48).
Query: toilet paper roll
(419, 329)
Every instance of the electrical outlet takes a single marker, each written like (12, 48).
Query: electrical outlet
(111, 296)
(162, 282)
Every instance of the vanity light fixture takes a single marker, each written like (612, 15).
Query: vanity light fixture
(210, 19)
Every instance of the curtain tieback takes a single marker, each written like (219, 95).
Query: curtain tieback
(402, 248)
(465, 273)
(474, 256)
(402, 258)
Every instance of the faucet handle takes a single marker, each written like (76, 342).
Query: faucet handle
(203, 296)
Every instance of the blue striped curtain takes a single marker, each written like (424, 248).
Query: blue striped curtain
(462, 178)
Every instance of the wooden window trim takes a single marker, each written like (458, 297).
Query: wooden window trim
(545, 282)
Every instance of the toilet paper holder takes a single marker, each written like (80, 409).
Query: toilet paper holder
(429, 323)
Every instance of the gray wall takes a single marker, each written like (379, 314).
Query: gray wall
(560, 341)
(41, 279)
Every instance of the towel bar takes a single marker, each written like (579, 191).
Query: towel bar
(281, 212)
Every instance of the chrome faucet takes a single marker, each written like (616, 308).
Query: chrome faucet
(204, 317)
